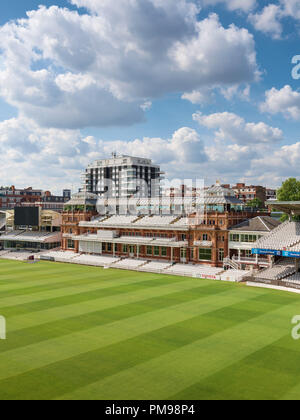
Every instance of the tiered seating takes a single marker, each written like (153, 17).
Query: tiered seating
(19, 256)
(155, 221)
(295, 279)
(155, 267)
(27, 236)
(61, 256)
(129, 264)
(195, 271)
(284, 237)
(95, 260)
(181, 222)
(2, 253)
(234, 275)
(284, 269)
(118, 221)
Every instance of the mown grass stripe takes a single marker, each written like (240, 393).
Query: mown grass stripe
(49, 273)
(118, 308)
(66, 292)
(278, 372)
(96, 277)
(73, 298)
(180, 369)
(118, 297)
(109, 360)
(33, 357)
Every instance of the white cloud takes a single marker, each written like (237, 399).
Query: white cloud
(244, 5)
(268, 21)
(200, 96)
(233, 128)
(291, 8)
(53, 158)
(285, 101)
(100, 68)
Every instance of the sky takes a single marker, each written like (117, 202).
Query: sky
(209, 89)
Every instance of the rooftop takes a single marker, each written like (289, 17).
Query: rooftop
(257, 224)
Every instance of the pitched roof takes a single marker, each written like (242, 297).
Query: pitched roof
(257, 224)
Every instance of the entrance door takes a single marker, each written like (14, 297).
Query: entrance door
(183, 255)
(131, 251)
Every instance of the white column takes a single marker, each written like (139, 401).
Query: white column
(239, 255)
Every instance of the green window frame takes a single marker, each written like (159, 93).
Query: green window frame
(71, 244)
(156, 251)
(164, 252)
(149, 250)
(205, 254)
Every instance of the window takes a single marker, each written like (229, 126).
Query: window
(205, 254)
(71, 244)
(183, 253)
(205, 237)
(149, 250)
(248, 238)
(125, 249)
(221, 254)
(164, 252)
(156, 251)
(109, 247)
(235, 238)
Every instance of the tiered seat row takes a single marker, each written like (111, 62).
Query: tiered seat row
(155, 267)
(118, 221)
(155, 221)
(195, 271)
(282, 238)
(19, 256)
(234, 275)
(129, 264)
(60, 256)
(95, 260)
(278, 272)
(295, 279)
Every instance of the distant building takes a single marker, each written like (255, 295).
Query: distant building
(22, 236)
(271, 194)
(247, 193)
(123, 177)
(12, 197)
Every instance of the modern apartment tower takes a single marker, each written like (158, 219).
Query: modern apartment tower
(123, 177)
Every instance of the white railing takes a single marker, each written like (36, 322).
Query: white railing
(227, 262)
(250, 260)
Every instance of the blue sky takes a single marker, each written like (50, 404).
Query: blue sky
(72, 88)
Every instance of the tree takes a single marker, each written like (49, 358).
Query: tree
(289, 191)
(256, 203)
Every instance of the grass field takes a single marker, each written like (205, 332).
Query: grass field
(78, 332)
